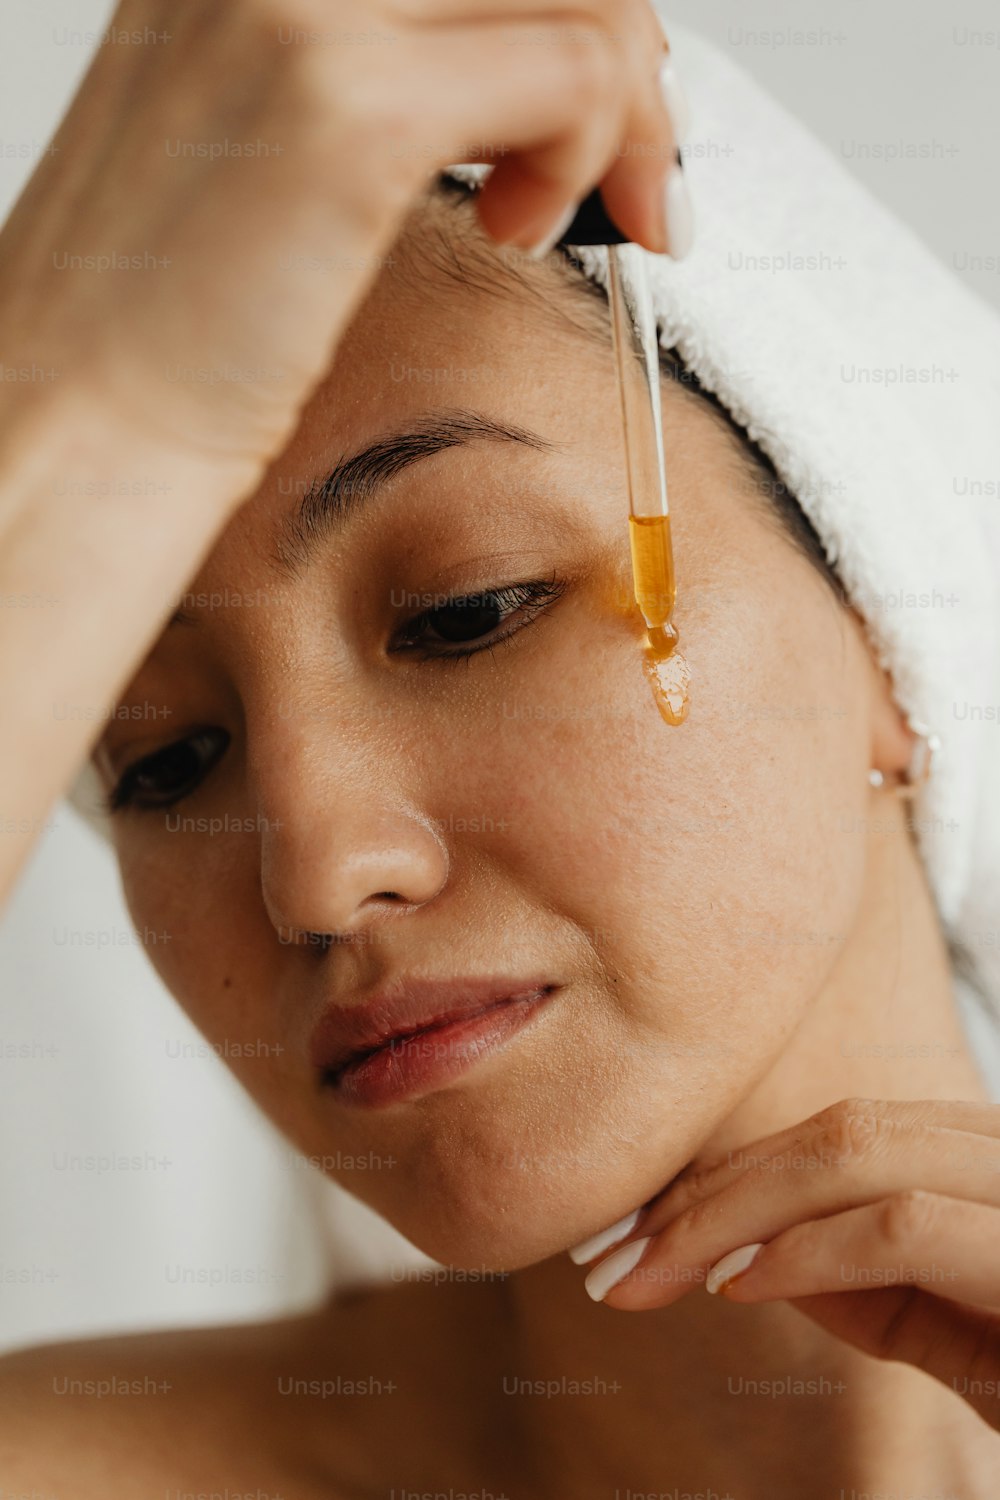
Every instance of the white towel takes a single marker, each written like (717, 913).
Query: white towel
(871, 378)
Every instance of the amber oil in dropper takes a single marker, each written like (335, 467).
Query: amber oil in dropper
(666, 669)
(653, 572)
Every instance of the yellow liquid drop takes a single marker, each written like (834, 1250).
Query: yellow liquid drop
(669, 676)
(666, 669)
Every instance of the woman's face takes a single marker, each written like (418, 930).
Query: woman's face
(523, 811)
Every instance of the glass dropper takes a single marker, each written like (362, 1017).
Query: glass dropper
(635, 344)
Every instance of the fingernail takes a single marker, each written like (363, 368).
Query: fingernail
(730, 1266)
(678, 212)
(675, 100)
(609, 1272)
(544, 245)
(604, 1237)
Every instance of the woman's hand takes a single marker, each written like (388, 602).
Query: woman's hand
(238, 177)
(176, 276)
(879, 1220)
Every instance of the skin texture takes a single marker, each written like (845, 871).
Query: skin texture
(728, 905)
(725, 914)
(663, 878)
(628, 867)
(198, 374)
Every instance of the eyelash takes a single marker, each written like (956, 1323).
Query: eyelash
(533, 597)
(125, 794)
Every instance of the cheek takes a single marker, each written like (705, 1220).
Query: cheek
(707, 863)
(221, 964)
(695, 880)
(218, 957)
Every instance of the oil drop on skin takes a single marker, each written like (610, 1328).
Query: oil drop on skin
(668, 675)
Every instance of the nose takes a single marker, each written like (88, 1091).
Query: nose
(337, 854)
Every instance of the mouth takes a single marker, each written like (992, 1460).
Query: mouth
(419, 1038)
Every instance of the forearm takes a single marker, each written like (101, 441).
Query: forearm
(99, 531)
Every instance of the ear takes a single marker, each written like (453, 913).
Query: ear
(892, 739)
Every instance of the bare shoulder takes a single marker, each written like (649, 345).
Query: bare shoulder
(184, 1408)
(305, 1407)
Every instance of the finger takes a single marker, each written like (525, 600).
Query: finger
(550, 101)
(629, 150)
(919, 1239)
(857, 1158)
(546, 182)
(848, 1135)
(547, 118)
(912, 1320)
(646, 181)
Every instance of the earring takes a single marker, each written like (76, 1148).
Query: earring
(926, 748)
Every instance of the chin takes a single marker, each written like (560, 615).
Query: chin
(505, 1176)
(493, 1247)
(505, 1213)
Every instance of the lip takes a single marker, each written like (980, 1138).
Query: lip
(416, 1035)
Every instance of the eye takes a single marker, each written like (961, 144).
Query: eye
(163, 778)
(473, 620)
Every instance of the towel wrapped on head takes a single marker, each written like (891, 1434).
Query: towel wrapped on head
(870, 377)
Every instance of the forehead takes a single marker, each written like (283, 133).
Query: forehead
(450, 330)
(452, 327)
(453, 319)
(455, 324)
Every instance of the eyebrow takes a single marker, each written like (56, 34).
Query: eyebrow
(338, 497)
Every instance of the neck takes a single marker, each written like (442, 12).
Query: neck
(670, 1410)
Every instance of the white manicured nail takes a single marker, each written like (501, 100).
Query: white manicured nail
(604, 1237)
(558, 229)
(675, 100)
(679, 214)
(731, 1266)
(609, 1272)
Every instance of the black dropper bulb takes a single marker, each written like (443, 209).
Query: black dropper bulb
(592, 225)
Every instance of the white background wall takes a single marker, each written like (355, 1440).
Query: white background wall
(866, 73)
(217, 1222)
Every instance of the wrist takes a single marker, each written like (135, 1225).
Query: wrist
(62, 440)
